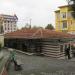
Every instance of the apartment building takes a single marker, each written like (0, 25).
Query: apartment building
(8, 23)
(64, 20)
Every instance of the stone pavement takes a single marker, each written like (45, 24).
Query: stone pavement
(36, 65)
(72, 60)
(4, 55)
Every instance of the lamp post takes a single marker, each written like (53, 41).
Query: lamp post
(30, 22)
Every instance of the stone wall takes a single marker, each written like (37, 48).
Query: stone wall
(2, 40)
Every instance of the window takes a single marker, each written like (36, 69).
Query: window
(61, 48)
(1, 29)
(69, 14)
(59, 27)
(4, 21)
(11, 29)
(5, 28)
(65, 47)
(71, 22)
(64, 24)
(63, 14)
(14, 25)
(58, 16)
(14, 28)
(8, 28)
(8, 21)
(11, 25)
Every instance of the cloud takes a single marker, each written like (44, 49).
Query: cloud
(41, 11)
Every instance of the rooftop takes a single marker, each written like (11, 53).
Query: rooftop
(37, 33)
(63, 6)
(57, 11)
(8, 16)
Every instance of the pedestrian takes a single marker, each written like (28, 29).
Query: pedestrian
(13, 58)
(68, 52)
(13, 55)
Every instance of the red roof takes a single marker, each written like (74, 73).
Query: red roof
(37, 33)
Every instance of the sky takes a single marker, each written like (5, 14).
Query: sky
(41, 12)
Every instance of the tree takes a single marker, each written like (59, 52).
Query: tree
(49, 26)
(71, 4)
(27, 26)
(1, 29)
(0, 46)
(37, 27)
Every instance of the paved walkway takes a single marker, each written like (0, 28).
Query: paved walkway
(4, 55)
(36, 65)
(72, 60)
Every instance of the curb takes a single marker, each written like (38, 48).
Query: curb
(30, 54)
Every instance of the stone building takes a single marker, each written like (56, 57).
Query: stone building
(39, 41)
(8, 23)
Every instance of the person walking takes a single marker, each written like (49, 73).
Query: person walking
(68, 52)
(13, 59)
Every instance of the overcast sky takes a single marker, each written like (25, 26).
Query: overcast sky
(40, 11)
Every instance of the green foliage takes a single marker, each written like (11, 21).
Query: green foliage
(49, 26)
(27, 26)
(1, 29)
(36, 27)
(0, 46)
(71, 4)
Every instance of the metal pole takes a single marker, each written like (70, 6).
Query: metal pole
(30, 22)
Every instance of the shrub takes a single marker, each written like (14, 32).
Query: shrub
(0, 46)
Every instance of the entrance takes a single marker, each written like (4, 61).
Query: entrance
(67, 50)
(24, 47)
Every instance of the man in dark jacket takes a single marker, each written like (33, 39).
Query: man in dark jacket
(68, 52)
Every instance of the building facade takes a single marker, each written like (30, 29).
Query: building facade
(8, 23)
(2, 40)
(64, 20)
